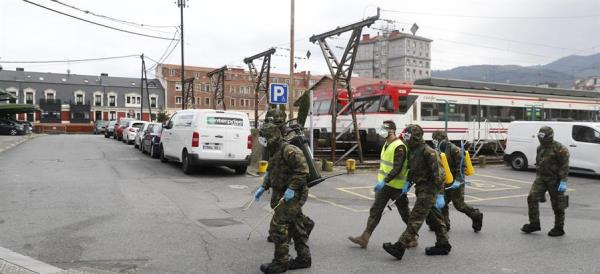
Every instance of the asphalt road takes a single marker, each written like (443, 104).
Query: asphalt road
(85, 201)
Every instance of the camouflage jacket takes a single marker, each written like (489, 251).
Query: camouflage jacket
(552, 162)
(453, 155)
(287, 168)
(423, 166)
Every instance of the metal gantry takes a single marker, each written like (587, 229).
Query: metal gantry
(217, 85)
(261, 79)
(341, 72)
(144, 91)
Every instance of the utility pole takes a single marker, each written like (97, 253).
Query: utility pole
(181, 4)
(291, 95)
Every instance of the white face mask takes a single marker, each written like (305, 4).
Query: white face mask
(436, 143)
(262, 141)
(382, 132)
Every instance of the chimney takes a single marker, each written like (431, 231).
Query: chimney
(20, 69)
(366, 37)
(104, 74)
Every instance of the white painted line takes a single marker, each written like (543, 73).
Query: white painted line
(505, 179)
(27, 262)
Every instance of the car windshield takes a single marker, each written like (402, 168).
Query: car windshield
(137, 125)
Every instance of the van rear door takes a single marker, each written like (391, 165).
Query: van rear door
(224, 136)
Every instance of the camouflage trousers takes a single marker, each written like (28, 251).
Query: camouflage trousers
(457, 197)
(288, 221)
(557, 199)
(381, 199)
(424, 208)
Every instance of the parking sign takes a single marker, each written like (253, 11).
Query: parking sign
(278, 94)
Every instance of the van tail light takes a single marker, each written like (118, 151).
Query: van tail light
(249, 145)
(195, 139)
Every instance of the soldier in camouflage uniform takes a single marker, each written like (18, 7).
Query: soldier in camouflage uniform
(277, 117)
(456, 192)
(552, 162)
(425, 174)
(288, 173)
(392, 186)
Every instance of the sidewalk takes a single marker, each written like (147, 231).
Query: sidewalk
(15, 263)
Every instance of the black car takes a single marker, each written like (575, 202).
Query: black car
(11, 128)
(110, 129)
(151, 140)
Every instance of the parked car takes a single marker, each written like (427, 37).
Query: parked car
(151, 141)
(131, 130)
(581, 138)
(119, 129)
(27, 127)
(99, 126)
(207, 137)
(11, 128)
(137, 140)
(110, 129)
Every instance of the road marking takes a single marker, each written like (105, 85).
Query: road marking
(334, 204)
(495, 198)
(505, 179)
(487, 187)
(345, 189)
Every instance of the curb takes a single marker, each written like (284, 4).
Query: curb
(12, 262)
(20, 141)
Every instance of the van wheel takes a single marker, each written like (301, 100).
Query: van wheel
(162, 155)
(241, 170)
(518, 161)
(186, 166)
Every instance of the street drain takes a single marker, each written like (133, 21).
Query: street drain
(219, 222)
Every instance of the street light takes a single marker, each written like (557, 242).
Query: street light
(446, 102)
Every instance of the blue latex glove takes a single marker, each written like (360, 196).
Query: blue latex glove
(379, 186)
(562, 187)
(406, 187)
(259, 192)
(454, 185)
(440, 202)
(289, 194)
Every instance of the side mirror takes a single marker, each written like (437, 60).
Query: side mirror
(168, 125)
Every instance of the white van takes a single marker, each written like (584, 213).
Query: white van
(581, 138)
(207, 137)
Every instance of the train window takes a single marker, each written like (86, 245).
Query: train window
(431, 112)
(324, 107)
(316, 105)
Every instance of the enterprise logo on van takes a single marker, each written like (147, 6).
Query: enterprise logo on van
(224, 121)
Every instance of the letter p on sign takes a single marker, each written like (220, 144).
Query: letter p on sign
(278, 94)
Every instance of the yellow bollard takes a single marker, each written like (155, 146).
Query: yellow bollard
(328, 166)
(262, 166)
(469, 170)
(449, 178)
(350, 165)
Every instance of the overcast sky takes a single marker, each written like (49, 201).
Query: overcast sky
(465, 32)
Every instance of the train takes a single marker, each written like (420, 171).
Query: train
(473, 111)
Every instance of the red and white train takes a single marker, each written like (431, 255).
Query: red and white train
(476, 110)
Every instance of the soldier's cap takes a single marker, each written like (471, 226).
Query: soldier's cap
(415, 130)
(546, 132)
(269, 130)
(275, 115)
(389, 124)
(439, 135)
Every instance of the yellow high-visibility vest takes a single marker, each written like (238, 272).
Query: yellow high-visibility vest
(386, 164)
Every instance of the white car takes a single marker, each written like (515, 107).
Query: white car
(131, 130)
(207, 137)
(581, 138)
(137, 140)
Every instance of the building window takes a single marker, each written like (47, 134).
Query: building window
(97, 100)
(152, 102)
(15, 96)
(112, 101)
(207, 101)
(232, 102)
(242, 102)
(178, 100)
(98, 116)
(79, 99)
(133, 99)
(112, 115)
(29, 98)
(50, 96)
(30, 117)
(172, 72)
(196, 75)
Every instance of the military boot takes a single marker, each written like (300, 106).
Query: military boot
(556, 231)
(397, 249)
(299, 263)
(362, 240)
(309, 225)
(273, 267)
(528, 228)
(438, 249)
(477, 222)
